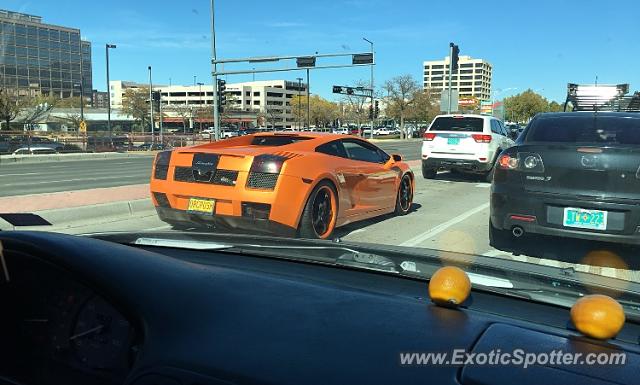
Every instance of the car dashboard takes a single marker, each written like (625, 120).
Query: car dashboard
(78, 310)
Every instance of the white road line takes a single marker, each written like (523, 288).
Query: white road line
(483, 185)
(159, 228)
(356, 231)
(443, 226)
(27, 183)
(495, 253)
(24, 173)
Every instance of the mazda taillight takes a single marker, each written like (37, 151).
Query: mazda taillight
(522, 161)
(429, 136)
(508, 162)
(481, 138)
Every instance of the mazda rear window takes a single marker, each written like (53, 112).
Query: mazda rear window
(457, 124)
(276, 140)
(585, 129)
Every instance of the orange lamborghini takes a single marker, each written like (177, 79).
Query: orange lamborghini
(292, 184)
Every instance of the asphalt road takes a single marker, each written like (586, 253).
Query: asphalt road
(450, 214)
(81, 174)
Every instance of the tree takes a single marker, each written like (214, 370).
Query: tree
(400, 91)
(73, 102)
(524, 106)
(355, 106)
(73, 120)
(10, 106)
(135, 104)
(182, 111)
(423, 108)
(555, 107)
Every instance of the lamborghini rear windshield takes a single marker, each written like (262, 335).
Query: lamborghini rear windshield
(278, 140)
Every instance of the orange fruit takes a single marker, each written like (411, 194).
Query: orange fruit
(598, 316)
(449, 285)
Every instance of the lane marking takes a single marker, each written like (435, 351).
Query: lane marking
(443, 226)
(159, 228)
(24, 173)
(483, 185)
(72, 180)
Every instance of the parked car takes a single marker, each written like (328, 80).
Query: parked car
(571, 175)
(467, 143)
(341, 130)
(35, 150)
(382, 131)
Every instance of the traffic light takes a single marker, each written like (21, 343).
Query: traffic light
(337, 89)
(222, 100)
(349, 91)
(371, 111)
(376, 110)
(455, 52)
(155, 96)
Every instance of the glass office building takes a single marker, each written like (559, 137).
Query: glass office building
(38, 58)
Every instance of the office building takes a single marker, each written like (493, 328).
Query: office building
(39, 58)
(472, 79)
(99, 99)
(268, 97)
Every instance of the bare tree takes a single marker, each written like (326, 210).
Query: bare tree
(400, 91)
(10, 106)
(356, 106)
(182, 111)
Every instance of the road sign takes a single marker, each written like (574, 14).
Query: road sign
(444, 100)
(83, 127)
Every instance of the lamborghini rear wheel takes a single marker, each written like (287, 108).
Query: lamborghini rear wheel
(320, 213)
(404, 198)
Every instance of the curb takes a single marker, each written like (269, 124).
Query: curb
(64, 217)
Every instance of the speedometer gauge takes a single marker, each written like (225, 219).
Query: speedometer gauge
(100, 336)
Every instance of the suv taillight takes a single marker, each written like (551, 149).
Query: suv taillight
(481, 138)
(429, 136)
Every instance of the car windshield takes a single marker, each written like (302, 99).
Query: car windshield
(457, 124)
(409, 125)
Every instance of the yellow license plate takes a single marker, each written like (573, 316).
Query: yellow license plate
(201, 206)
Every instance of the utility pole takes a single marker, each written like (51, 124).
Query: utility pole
(200, 94)
(371, 86)
(450, 74)
(216, 112)
(308, 102)
(107, 46)
(160, 112)
(299, 103)
(151, 108)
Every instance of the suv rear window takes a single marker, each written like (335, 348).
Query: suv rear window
(448, 123)
(585, 129)
(276, 140)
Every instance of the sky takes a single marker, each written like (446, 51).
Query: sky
(540, 44)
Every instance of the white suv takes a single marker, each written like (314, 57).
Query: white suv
(469, 143)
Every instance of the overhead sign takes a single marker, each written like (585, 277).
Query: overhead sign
(83, 127)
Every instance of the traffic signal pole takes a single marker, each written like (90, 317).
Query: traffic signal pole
(450, 75)
(216, 112)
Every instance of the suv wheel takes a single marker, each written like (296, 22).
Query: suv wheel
(428, 173)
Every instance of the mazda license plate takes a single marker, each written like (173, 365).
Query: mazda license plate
(585, 219)
(201, 206)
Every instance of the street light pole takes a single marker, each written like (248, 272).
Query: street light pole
(151, 108)
(107, 46)
(308, 102)
(371, 86)
(216, 112)
(200, 95)
(299, 104)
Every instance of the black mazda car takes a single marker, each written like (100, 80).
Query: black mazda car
(572, 175)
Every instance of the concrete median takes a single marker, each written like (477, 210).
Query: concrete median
(8, 159)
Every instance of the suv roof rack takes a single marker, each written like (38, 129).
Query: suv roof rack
(601, 97)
